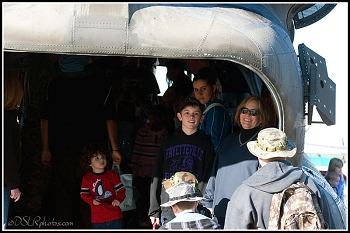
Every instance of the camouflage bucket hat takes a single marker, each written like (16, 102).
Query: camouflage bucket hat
(272, 143)
(182, 186)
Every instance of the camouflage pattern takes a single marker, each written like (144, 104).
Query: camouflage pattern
(296, 208)
(181, 177)
(272, 143)
(182, 186)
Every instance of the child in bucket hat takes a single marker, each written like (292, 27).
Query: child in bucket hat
(182, 186)
(184, 196)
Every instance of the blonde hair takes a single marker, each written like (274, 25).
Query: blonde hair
(263, 111)
(13, 89)
(333, 163)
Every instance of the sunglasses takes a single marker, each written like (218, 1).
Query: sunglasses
(252, 112)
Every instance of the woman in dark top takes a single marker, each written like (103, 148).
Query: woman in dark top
(233, 162)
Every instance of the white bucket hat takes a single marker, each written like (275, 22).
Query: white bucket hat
(182, 186)
(272, 143)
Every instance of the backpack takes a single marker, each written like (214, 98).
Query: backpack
(296, 207)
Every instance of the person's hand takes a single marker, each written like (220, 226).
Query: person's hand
(96, 202)
(115, 203)
(15, 194)
(116, 157)
(46, 157)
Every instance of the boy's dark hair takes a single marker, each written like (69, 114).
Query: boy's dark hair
(89, 151)
(191, 101)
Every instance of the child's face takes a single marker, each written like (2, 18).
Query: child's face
(338, 170)
(334, 182)
(203, 91)
(98, 163)
(190, 117)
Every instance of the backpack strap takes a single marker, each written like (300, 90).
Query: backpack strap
(211, 106)
(324, 224)
(276, 210)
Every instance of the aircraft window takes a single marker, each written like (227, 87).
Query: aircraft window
(312, 14)
(160, 73)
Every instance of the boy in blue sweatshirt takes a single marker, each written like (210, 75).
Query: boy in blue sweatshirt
(187, 149)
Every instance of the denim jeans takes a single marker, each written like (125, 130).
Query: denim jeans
(114, 224)
(6, 205)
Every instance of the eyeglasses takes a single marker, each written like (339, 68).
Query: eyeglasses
(252, 112)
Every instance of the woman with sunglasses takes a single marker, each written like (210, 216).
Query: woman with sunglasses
(217, 122)
(234, 163)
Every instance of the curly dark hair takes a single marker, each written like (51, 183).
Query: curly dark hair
(89, 151)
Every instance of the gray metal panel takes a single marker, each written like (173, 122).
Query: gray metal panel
(78, 28)
(101, 27)
(320, 88)
(198, 32)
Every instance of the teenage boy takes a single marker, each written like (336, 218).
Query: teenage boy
(187, 149)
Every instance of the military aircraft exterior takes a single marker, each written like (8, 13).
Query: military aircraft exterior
(257, 39)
